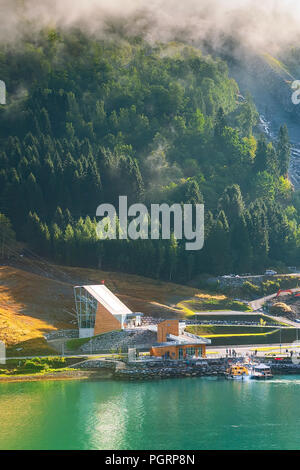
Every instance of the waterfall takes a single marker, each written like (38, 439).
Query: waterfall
(294, 170)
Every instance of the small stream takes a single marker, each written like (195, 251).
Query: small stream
(294, 170)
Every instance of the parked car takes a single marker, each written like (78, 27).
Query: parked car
(270, 272)
(293, 269)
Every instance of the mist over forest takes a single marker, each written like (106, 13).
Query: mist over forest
(161, 103)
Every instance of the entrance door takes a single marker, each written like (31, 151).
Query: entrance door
(180, 353)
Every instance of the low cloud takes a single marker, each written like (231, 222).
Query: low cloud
(263, 25)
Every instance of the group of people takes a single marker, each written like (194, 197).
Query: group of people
(231, 353)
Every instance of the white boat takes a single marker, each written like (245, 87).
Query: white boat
(260, 372)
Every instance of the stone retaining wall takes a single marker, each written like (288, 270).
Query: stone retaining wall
(62, 334)
(154, 370)
(96, 364)
(169, 369)
(285, 368)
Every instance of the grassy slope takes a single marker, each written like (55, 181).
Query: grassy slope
(206, 302)
(31, 304)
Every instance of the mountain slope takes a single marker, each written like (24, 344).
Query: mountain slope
(32, 304)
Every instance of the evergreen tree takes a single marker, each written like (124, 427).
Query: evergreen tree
(283, 150)
(232, 203)
(220, 123)
(241, 248)
(260, 163)
(7, 237)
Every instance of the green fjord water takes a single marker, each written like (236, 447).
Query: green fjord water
(199, 413)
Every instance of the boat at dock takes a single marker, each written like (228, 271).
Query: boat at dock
(252, 371)
(260, 372)
(237, 372)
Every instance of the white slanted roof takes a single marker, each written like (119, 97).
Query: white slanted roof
(105, 297)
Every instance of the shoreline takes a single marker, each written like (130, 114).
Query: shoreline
(143, 372)
(52, 376)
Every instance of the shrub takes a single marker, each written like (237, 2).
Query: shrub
(280, 308)
(269, 287)
(39, 364)
(250, 288)
(55, 362)
(32, 365)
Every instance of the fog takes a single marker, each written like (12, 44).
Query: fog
(260, 24)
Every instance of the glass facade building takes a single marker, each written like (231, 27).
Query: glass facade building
(86, 308)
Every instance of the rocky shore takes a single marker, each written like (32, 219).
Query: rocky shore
(98, 369)
(169, 370)
(153, 370)
(155, 373)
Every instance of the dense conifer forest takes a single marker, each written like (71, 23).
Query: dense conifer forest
(87, 120)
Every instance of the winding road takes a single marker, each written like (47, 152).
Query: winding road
(257, 306)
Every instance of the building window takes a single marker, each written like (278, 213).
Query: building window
(86, 307)
(190, 351)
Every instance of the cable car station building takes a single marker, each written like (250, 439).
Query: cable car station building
(175, 343)
(100, 311)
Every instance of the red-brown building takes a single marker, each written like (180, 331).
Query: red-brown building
(175, 344)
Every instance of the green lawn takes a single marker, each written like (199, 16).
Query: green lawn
(227, 330)
(211, 304)
(243, 317)
(74, 344)
(230, 335)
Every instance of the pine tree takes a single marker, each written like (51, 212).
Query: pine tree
(232, 203)
(69, 245)
(59, 218)
(220, 123)
(260, 162)
(44, 122)
(217, 247)
(272, 160)
(283, 150)
(259, 235)
(241, 246)
(192, 193)
(7, 237)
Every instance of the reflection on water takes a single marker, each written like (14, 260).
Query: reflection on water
(172, 414)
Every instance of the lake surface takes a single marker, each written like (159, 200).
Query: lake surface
(196, 413)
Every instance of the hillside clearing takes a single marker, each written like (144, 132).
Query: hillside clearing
(32, 304)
